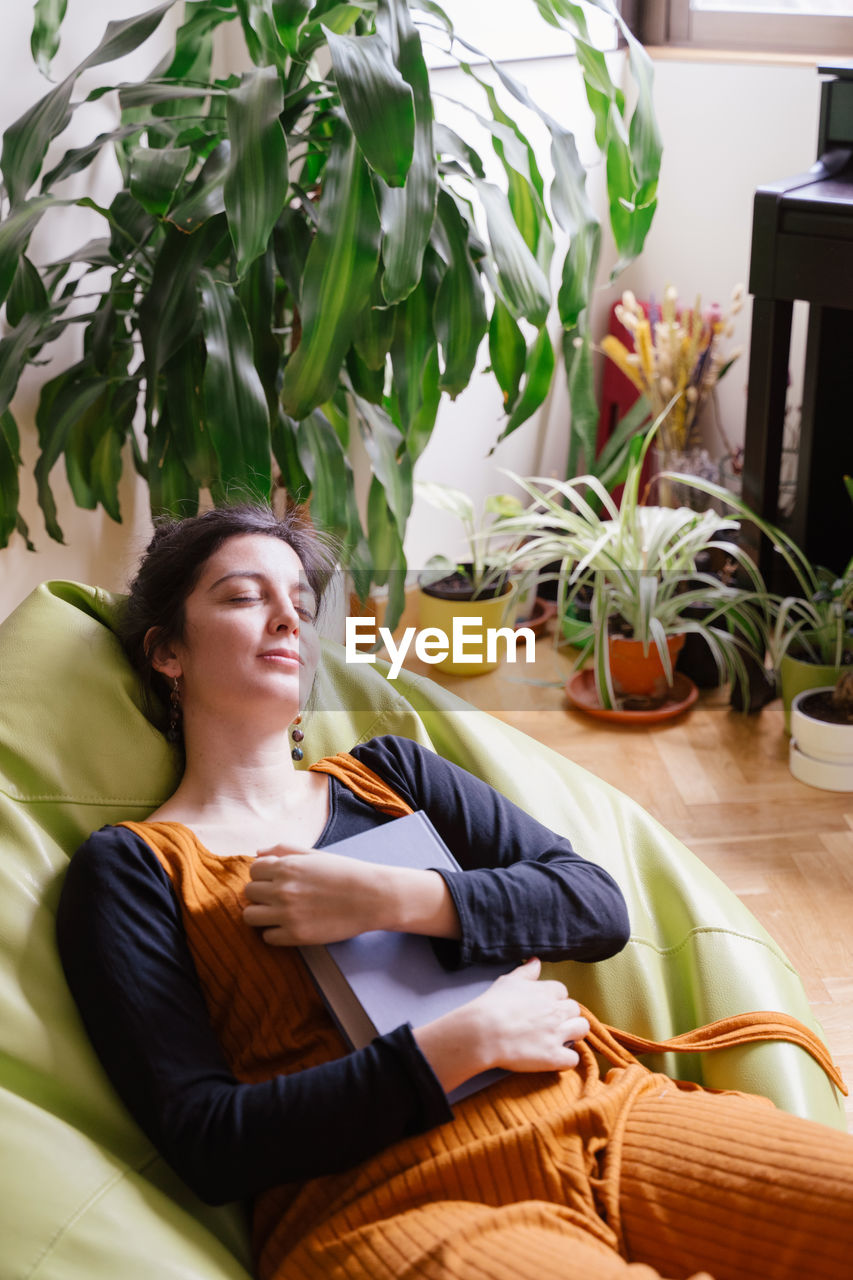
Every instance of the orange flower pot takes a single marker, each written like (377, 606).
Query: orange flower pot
(634, 672)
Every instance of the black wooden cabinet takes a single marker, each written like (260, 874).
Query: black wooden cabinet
(802, 247)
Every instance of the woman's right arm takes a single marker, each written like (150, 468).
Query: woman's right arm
(127, 963)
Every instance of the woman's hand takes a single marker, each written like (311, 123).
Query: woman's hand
(519, 1023)
(304, 896)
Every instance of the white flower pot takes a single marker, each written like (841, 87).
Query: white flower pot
(820, 754)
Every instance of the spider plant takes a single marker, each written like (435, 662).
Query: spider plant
(640, 564)
(816, 624)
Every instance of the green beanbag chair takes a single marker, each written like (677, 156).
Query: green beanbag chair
(84, 1195)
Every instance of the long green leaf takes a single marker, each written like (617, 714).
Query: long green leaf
(236, 414)
(257, 182)
(171, 488)
(185, 414)
(407, 213)
(156, 174)
(10, 462)
(207, 197)
(414, 341)
(27, 294)
(14, 354)
(374, 330)
(44, 42)
(507, 352)
(63, 401)
(460, 308)
(292, 476)
(539, 373)
(378, 102)
(338, 276)
(581, 381)
(386, 550)
(329, 471)
(169, 314)
(25, 142)
(522, 279)
(391, 464)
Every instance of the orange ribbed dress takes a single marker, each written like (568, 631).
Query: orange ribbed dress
(528, 1181)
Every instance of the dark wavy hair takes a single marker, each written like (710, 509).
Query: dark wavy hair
(172, 565)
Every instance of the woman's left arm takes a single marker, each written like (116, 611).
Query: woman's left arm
(525, 890)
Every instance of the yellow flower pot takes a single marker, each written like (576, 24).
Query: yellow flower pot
(438, 614)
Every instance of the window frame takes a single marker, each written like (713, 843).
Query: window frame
(673, 23)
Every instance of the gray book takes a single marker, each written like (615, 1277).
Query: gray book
(377, 981)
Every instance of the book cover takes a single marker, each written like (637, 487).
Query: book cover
(376, 981)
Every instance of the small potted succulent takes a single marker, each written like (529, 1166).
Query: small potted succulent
(821, 748)
(485, 585)
(641, 566)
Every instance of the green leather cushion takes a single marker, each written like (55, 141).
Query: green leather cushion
(83, 1193)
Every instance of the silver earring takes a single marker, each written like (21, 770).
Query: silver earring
(173, 733)
(297, 735)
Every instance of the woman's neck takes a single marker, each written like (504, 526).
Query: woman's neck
(235, 769)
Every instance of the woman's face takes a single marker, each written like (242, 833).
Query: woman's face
(249, 632)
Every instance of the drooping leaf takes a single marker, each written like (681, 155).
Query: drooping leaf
(63, 401)
(378, 102)
(25, 142)
(44, 42)
(27, 294)
(374, 330)
(366, 382)
(460, 309)
(257, 180)
(171, 489)
(386, 551)
(414, 360)
(507, 352)
(79, 158)
(539, 373)
(407, 212)
(522, 279)
(236, 414)
(329, 471)
(337, 279)
(169, 313)
(185, 420)
(389, 459)
(292, 476)
(10, 463)
(14, 353)
(156, 174)
(585, 413)
(207, 197)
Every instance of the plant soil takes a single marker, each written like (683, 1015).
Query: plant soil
(457, 586)
(819, 707)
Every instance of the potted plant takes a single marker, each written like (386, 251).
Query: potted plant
(811, 636)
(641, 566)
(293, 252)
(483, 586)
(821, 747)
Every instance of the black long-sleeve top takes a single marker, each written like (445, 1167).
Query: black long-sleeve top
(523, 891)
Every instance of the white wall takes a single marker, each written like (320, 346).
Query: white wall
(726, 129)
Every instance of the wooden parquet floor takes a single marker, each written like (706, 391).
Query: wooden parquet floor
(720, 781)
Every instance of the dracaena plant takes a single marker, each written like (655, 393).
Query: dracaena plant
(298, 252)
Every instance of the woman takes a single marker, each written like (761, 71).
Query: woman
(178, 937)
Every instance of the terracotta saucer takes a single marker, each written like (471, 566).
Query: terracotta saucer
(543, 612)
(582, 693)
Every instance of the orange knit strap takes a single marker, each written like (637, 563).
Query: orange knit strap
(364, 783)
(619, 1047)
